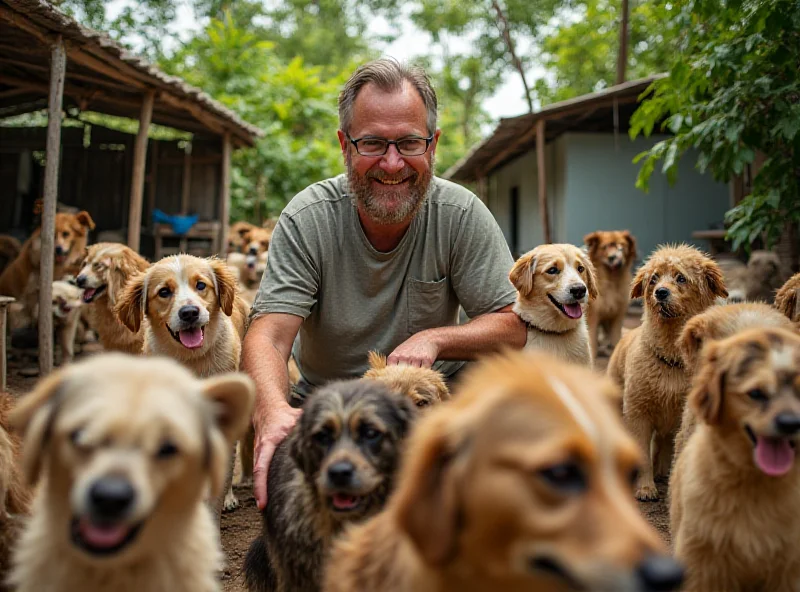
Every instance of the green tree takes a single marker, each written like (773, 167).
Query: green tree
(732, 92)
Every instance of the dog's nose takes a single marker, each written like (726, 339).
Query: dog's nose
(59, 250)
(111, 497)
(578, 292)
(253, 251)
(340, 474)
(659, 573)
(662, 294)
(80, 281)
(188, 313)
(787, 423)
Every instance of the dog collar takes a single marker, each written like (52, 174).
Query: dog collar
(667, 361)
(545, 331)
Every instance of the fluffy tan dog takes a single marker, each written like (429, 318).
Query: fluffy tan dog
(675, 283)
(424, 386)
(735, 486)
(521, 482)
(106, 269)
(67, 304)
(612, 254)
(236, 233)
(127, 448)
(787, 300)
(554, 285)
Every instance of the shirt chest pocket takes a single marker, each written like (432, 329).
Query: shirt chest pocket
(427, 304)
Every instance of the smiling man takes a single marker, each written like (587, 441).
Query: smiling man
(377, 259)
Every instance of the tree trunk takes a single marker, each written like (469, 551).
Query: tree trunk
(622, 56)
(505, 31)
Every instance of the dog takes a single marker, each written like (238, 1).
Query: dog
(612, 254)
(520, 482)
(10, 248)
(106, 269)
(675, 284)
(126, 448)
(786, 300)
(758, 280)
(336, 467)
(67, 301)
(735, 485)
(423, 386)
(554, 285)
(236, 232)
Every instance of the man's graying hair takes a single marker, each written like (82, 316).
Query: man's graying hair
(388, 75)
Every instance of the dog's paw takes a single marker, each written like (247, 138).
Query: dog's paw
(647, 493)
(230, 503)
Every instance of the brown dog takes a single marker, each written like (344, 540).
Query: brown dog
(9, 250)
(612, 253)
(236, 233)
(554, 285)
(521, 482)
(424, 386)
(675, 283)
(787, 300)
(127, 448)
(106, 269)
(735, 486)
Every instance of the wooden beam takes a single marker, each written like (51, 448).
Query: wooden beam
(113, 72)
(137, 182)
(58, 67)
(16, 19)
(153, 181)
(509, 150)
(225, 195)
(186, 184)
(542, 178)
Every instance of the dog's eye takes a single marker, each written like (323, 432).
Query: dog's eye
(201, 286)
(265, 244)
(581, 269)
(65, 234)
(323, 438)
(757, 395)
(681, 279)
(567, 477)
(653, 279)
(552, 271)
(165, 292)
(370, 435)
(167, 450)
(422, 403)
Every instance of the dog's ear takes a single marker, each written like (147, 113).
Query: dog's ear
(691, 340)
(631, 240)
(231, 397)
(521, 274)
(591, 275)
(714, 278)
(33, 417)
(637, 285)
(786, 298)
(225, 284)
(85, 219)
(132, 302)
(376, 361)
(592, 241)
(706, 395)
(123, 267)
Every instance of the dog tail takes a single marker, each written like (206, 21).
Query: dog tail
(258, 574)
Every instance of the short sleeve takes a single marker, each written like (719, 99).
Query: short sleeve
(480, 263)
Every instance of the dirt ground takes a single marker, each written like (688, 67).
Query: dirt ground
(241, 526)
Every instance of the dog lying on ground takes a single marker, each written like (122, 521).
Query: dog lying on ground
(521, 482)
(106, 269)
(67, 301)
(336, 467)
(127, 448)
(787, 301)
(554, 284)
(612, 254)
(423, 386)
(10, 248)
(734, 488)
(675, 283)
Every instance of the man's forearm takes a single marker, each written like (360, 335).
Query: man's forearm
(266, 365)
(485, 334)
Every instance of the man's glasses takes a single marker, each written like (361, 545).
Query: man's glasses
(369, 146)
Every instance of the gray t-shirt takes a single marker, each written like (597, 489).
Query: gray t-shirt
(354, 299)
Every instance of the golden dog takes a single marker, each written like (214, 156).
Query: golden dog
(787, 300)
(236, 233)
(424, 386)
(612, 253)
(106, 269)
(735, 486)
(521, 482)
(675, 283)
(554, 284)
(127, 448)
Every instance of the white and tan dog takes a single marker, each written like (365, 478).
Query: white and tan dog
(126, 447)
(554, 285)
(67, 301)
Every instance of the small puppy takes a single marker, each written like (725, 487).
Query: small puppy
(236, 233)
(106, 269)
(612, 254)
(336, 467)
(675, 283)
(787, 301)
(423, 386)
(734, 488)
(554, 284)
(67, 301)
(127, 447)
(521, 482)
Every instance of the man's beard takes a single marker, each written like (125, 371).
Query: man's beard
(386, 204)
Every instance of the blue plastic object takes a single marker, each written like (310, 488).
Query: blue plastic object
(180, 224)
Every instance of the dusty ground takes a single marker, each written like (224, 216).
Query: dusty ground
(240, 527)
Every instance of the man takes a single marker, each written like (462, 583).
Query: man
(378, 259)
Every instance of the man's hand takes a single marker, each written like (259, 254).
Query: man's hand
(418, 350)
(268, 435)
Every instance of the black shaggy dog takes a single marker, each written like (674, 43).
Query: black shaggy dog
(337, 466)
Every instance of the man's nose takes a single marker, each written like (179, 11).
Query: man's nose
(392, 161)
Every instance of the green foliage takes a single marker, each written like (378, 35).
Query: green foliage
(732, 93)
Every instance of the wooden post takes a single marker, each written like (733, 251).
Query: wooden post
(186, 191)
(139, 163)
(542, 175)
(58, 68)
(225, 195)
(153, 187)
